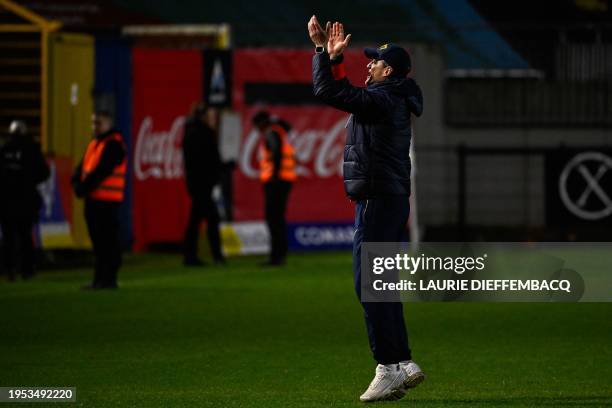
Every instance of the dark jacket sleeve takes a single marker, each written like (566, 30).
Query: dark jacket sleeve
(112, 156)
(201, 158)
(341, 94)
(213, 159)
(76, 176)
(41, 167)
(194, 146)
(273, 143)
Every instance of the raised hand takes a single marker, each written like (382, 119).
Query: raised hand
(333, 36)
(317, 35)
(336, 42)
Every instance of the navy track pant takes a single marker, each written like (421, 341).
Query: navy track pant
(382, 219)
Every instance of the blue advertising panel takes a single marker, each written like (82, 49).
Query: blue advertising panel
(320, 236)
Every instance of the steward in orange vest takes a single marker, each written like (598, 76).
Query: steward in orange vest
(277, 157)
(277, 172)
(100, 178)
(111, 186)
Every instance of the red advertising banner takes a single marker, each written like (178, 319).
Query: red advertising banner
(167, 82)
(318, 133)
(165, 85)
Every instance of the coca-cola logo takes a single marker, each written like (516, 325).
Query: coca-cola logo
(158, 154)
(318, 149)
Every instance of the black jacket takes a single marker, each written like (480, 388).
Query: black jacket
(200, 157)
(22, 167)
(377, 151)
(112, 156)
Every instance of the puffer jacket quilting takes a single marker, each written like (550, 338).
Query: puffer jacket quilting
(376, 154)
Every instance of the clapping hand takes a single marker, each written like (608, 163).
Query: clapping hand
(332, 36)
(336, 42)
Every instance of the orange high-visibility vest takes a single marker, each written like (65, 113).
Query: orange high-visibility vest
(112, 187)
(287, 164)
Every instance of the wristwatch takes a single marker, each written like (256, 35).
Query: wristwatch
(319, 49)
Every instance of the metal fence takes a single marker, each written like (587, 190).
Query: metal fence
(568, 83)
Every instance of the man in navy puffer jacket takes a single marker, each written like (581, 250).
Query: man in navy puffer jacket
(377, 177)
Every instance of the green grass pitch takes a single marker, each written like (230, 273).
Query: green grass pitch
(242, 336)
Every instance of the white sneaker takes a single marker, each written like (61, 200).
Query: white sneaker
(387, 384)
(414, 374)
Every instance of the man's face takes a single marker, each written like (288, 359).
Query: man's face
(100, 124)
(378, 71)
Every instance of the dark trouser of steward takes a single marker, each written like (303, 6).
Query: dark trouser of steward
(102, 219)
(382, 219)
(277, 195)
(202, 207)
(17, 245)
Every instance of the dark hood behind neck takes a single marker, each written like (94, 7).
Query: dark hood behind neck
(406, 88)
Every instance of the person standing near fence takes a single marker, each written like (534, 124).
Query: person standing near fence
(377, 177)
(277, 174)
(100, 180)
(202, 172)
(22, 168)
